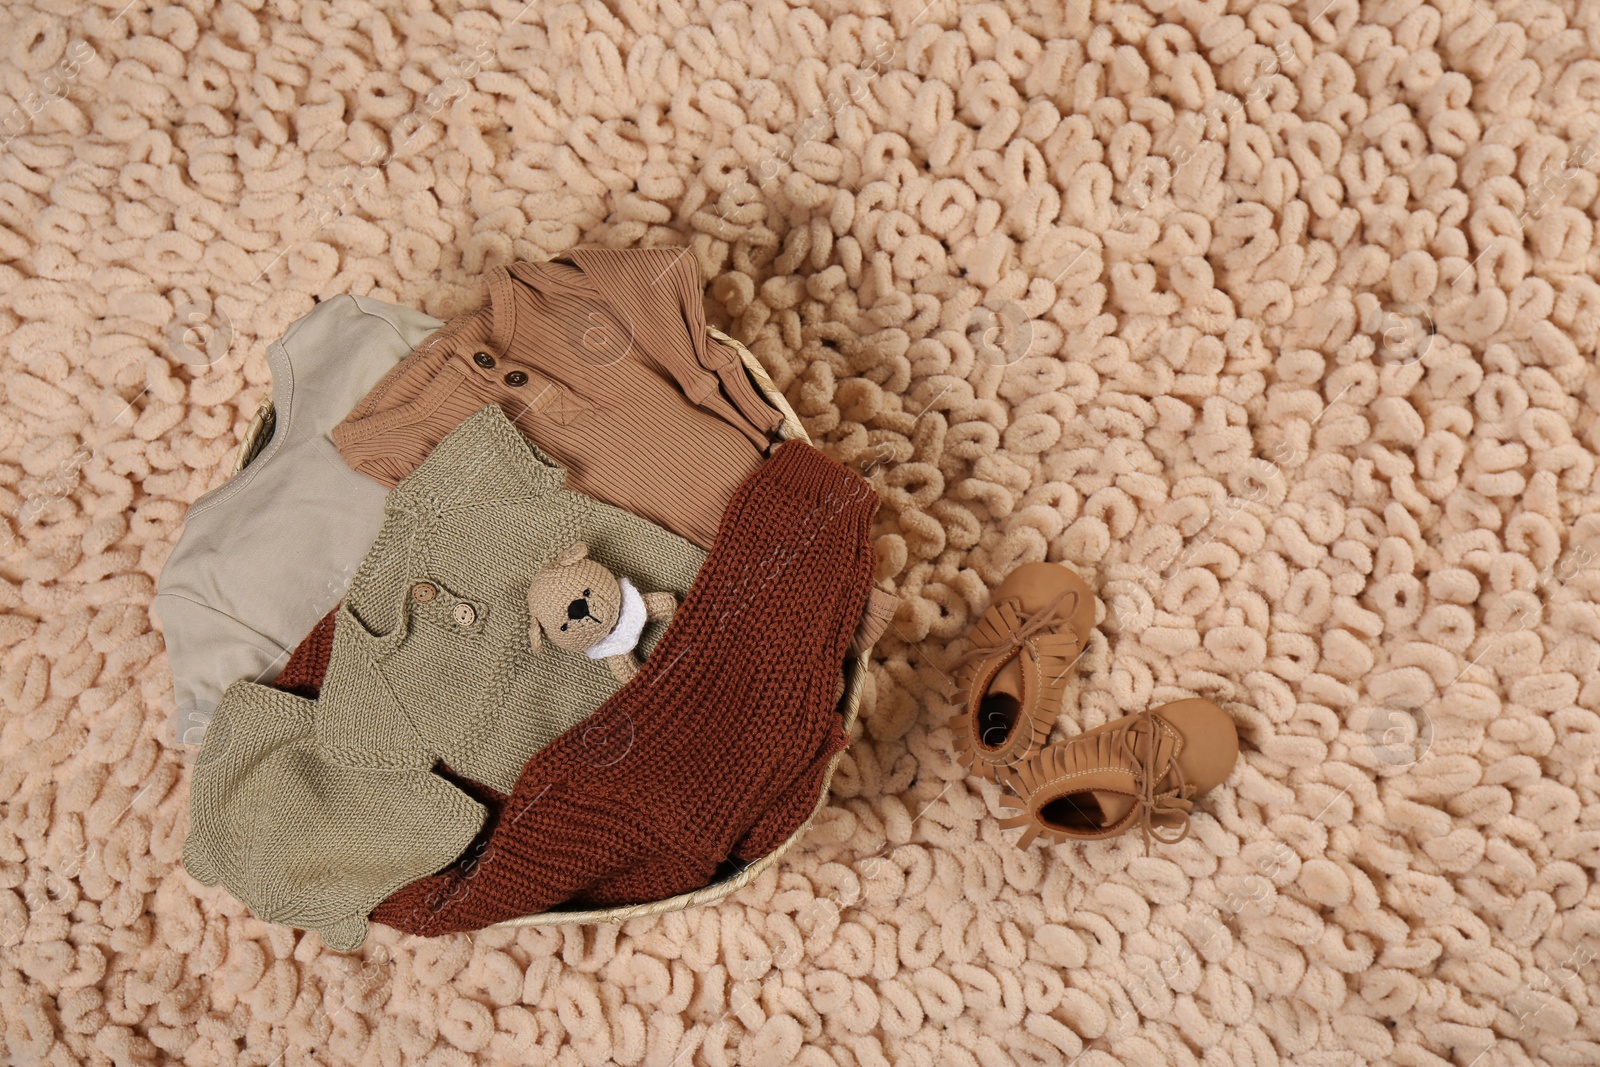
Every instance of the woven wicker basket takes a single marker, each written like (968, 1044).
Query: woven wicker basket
(260, 432)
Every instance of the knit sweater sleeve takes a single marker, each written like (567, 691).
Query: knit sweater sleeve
(793, 806)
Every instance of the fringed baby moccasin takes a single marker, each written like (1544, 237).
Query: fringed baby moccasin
(1145, 768)
(1016, 664)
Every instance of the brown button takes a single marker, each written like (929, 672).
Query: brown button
(483, 359)
(516, 377)
(464, 615)
(423, 592)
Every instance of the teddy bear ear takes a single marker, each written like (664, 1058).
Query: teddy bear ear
(572, 555)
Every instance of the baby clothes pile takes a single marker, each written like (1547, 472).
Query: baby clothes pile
(586, 651)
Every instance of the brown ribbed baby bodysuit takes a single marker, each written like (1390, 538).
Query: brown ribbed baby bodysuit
(717, 749)
(602, 358)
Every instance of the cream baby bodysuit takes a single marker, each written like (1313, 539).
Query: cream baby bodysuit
(265, 556)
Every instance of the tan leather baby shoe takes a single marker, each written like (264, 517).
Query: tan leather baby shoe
(1145, 768)
(1016, 665)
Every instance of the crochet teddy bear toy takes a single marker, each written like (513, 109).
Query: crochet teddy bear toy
(582, 607)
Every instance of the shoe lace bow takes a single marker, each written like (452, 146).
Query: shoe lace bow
(1167, 803)
(1047, 616)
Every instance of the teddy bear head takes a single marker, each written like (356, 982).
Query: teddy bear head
(574, 601)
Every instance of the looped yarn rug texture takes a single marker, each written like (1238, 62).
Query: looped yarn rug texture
(1276, 322)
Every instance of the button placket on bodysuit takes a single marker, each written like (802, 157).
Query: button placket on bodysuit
(520, 390)
(515, 384)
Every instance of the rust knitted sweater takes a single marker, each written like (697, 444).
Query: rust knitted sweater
(716, 749)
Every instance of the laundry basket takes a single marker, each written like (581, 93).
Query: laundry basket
(259, 433)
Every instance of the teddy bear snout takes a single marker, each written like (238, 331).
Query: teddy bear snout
(579, 609)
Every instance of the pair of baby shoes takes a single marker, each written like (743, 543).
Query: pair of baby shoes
(1146, 768)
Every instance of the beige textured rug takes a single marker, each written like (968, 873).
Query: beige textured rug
(1276, 322)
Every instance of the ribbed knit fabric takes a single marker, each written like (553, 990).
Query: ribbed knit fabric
(715, 749)
(312, 812)
(602, 358)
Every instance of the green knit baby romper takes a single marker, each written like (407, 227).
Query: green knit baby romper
(311, 812)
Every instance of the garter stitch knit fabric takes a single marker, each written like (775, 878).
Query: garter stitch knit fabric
(313, 811)
(433, 636)
(603, 359)
(730, 722)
